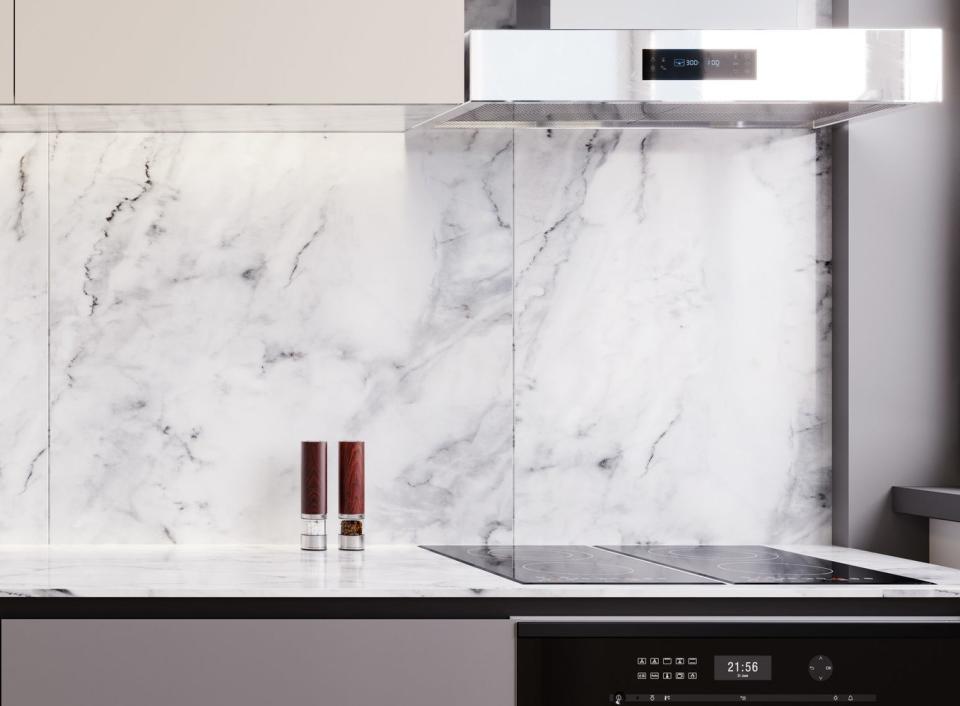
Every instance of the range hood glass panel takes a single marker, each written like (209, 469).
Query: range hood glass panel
(590, 78)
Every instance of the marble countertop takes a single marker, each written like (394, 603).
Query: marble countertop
(380, 571)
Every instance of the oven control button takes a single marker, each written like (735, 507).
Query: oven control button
(668, 660)
(692, 661)
(691, 675)
(820, 668)
(641, 661)
(641, 675)
(654, 661)
(679, 661)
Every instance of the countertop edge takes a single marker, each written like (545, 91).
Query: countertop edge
(491, 608)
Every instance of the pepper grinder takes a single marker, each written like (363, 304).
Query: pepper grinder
(313, 495)
(351, 495)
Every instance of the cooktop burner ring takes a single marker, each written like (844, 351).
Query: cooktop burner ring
(510, 553)
(783, 569)
(579, 570)
(708, 552)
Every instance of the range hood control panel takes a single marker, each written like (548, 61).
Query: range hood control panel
(572, 664)
(699, 65)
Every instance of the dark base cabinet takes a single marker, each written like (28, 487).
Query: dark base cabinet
(256, 662)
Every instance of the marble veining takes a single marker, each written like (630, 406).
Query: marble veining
(23, 338)
(381, 571)
(217, 298)
(672, 337)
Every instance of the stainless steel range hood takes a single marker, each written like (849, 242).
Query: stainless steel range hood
(698, 79)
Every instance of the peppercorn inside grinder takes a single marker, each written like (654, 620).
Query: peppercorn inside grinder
(313, 495)
(351, 495)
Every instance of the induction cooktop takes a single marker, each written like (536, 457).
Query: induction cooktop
(751, 564)
(566, 564)
(663, 564)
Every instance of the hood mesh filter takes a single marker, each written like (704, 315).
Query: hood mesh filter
(655, 114)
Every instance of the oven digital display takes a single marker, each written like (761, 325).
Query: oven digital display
(699, 64)
(742, 668)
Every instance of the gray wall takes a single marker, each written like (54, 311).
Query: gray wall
(896, 367)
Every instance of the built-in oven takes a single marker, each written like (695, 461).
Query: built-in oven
(902, 662)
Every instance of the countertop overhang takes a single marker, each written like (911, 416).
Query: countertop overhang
(405, 582)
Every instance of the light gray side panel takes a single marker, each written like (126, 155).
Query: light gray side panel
(257, 662)
(897, 302)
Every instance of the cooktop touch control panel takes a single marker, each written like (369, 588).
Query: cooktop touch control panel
(576, 663)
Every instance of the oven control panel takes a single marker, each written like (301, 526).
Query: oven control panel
(580, 663)
(668, 667)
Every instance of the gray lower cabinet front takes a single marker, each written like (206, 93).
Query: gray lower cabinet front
(256, 662)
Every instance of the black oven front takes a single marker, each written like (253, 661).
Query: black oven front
(908, 662)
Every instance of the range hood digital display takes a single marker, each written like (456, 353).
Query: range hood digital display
(699, 65)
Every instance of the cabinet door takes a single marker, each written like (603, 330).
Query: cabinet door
(257, 662)
(239, 51)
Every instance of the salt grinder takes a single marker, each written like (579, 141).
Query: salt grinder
(313, 495)
(351, 495)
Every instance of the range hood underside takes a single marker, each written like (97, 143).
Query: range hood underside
(653, 114)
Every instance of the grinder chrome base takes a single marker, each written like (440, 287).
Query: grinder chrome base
(313, 532)
(351, 542)
(313, 542)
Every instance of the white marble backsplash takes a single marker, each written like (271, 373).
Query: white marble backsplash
(23, 338)
(209, 300)
(672, 338)
(217, 298)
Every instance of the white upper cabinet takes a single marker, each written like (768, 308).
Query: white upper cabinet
(234, 51)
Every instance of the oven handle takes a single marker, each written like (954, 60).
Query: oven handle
(733, 619)
(753, 627)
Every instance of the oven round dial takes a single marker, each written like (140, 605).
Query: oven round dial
(821, 668)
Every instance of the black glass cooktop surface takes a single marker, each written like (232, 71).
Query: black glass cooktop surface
(566, 564)
(748, 564)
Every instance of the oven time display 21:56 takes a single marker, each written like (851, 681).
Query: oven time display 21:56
(742, 668)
